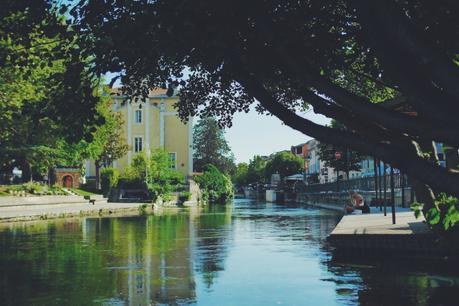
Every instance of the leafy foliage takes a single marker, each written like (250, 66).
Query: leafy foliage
(108, 143)
(342, 57)
(216, 187)
(256, 170)
(241, 176)
(444, 216)
(284, 163)
(155, 172)
(47, 93)
(161, 178)
(109, 179)
(210, 147)
(350, 159)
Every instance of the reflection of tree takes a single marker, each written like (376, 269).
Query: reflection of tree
(213, 228)
(46, 260)
(137, 261)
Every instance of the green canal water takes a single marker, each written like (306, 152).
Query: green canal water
(242, 254)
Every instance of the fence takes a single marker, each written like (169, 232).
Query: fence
(363, 183)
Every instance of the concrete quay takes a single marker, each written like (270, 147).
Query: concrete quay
(66, 210)
(374, 235)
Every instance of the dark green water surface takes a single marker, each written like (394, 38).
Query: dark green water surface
(242, 254)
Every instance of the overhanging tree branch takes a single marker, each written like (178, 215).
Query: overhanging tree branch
(438, 178)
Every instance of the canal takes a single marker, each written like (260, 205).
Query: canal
(242, 254)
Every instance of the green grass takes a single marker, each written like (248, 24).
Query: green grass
(82, 192)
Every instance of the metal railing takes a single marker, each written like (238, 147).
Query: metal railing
(363, 183)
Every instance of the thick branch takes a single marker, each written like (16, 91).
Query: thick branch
(435, 176)
(417, 66)
(441, 69)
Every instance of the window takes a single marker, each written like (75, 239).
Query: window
(173, 160)
(138, 116)
(137, 144)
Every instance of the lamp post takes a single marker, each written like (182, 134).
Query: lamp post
(337, 157)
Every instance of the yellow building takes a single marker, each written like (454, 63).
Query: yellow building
(150, 125)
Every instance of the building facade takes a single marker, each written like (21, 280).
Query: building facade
(151, 124)
(301, 150)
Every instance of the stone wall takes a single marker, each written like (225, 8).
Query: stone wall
(73, 174)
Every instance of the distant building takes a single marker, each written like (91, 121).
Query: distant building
(150, 125)
(313, 161)
(301, 150)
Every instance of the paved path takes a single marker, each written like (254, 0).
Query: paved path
(378, 224)
(32, 212)
(374, 235)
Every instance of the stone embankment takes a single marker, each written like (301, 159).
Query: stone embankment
(47, 207)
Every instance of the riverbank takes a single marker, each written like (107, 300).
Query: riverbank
(375, 235)
(31, 208)
(68, 210)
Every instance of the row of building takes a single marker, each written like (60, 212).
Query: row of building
(315, 170)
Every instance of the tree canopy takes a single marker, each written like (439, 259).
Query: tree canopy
(256, 170)
(285, 164)
(48, 95)
(347, 160)
(341, 57)
(211, 147)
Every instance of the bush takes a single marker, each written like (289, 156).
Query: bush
(445, 216)
(162, 180)
(185, 196)
(216, 187)
(109, 179)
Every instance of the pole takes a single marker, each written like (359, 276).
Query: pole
(380, 185)
(402, 183)
(385, 188)
(392, 194)
(376, 182)
(337, 180)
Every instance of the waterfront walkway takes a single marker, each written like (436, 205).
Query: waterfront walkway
(376, 223)
(36, 212)
(374, 233)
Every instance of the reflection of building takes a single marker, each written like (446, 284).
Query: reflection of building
(151, 263)
(153, 124)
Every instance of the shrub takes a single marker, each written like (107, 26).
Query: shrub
(444, 216)
(162, 180)
(109, 179)
(185, 196)
(216, 187)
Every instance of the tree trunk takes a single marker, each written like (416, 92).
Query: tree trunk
(424, 195)
(26, 172)
(97, 167)
(451, 157)
(400, 155)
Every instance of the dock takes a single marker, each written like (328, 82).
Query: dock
(374, 234)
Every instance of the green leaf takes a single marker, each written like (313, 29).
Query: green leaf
(433, 216)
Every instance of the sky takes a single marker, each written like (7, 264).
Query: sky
(255, 134)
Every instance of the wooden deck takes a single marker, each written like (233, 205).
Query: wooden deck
(374, 234)
(378, 224)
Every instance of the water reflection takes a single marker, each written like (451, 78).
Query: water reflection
(242, 254)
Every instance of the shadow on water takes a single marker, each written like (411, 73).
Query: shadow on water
(247, 253)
